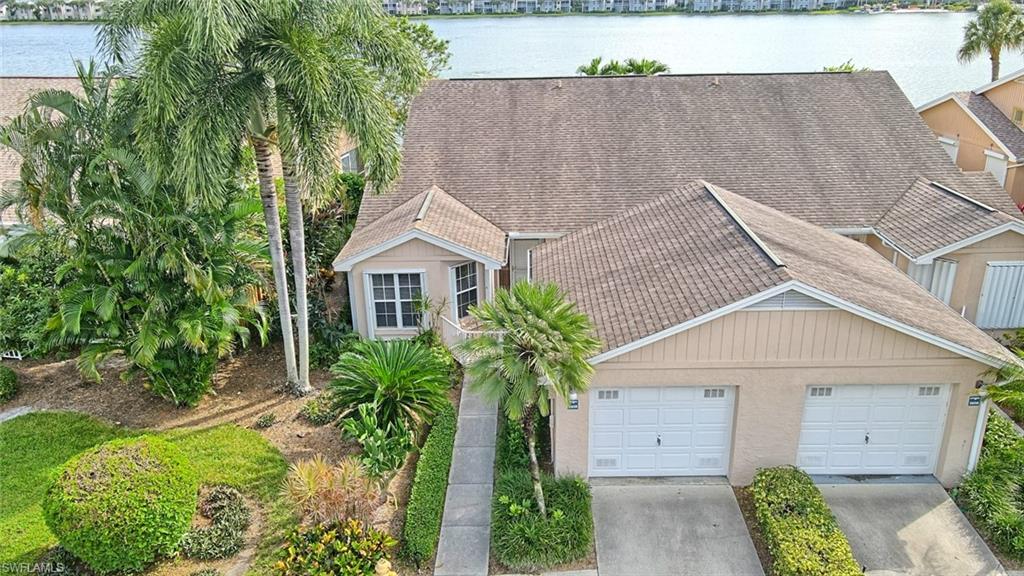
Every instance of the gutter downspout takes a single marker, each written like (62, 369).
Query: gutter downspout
(979, 435)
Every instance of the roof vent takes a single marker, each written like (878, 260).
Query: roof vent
(714, 83)
(558, 84)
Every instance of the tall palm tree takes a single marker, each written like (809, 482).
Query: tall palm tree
(534, 348)
(999, 25)
(308, 69)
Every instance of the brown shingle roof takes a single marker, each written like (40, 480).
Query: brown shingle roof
(14, 95)
(558, 154)
(437, 214)
(682, 255)
(993, 118)
(917, 221)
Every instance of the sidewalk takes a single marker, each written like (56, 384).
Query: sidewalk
(465, 544)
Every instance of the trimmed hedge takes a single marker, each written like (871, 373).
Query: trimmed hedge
(8, 383)
(426, 504)
(992, 495)
(798, 527)
(121, 505)
(522, 539)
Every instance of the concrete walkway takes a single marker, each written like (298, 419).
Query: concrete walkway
(15, 412)
(465, 545)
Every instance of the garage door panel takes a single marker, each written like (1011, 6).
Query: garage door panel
(877, 429)
(693, 424)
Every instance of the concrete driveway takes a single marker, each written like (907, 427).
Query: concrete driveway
(908, 529)
(670, 528)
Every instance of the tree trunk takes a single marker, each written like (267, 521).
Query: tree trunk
(297, 238)
(993, 55)
(268, 196)
(530, 428)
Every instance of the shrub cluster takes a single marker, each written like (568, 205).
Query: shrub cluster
(229, 519)
(318, 412)
(993, 495)
(323, 550)
(329, 494)
(265, 420)
(798, 527)
(522, 539)
(122, 504)
(29, 286)
(510, 450)
(8, 384)
(426, 503)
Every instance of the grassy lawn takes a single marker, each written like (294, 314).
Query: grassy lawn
(33, 447)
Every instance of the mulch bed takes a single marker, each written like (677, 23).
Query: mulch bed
(746, 501)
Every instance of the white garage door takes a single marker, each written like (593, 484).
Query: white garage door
(672, 431)
(886, 429)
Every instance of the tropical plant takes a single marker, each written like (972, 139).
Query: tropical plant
(326, 494)
(1008, 387)
(8, 383)
(402, 379)
(632, 66)
(533, 349)
(347, 549)
(170, 283)
(385, 446)
(280, 73)
(847, 66)
(229, 518)
(29, 290)
(998, 26)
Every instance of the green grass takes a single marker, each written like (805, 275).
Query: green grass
(34, 446)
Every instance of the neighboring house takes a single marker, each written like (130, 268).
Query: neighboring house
(981, 130)
(404, 7)
(739, 329)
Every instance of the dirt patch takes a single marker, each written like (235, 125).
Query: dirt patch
(746, 501)
(244, 387)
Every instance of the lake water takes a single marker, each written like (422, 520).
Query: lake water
(918, 49)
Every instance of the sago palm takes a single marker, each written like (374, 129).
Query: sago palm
(403, 379)
(998, 26)
(533, 349)
(288, 74)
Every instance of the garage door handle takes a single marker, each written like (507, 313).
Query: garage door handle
(659, 439)
(867, 439)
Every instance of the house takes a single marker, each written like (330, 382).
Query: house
(741, 243)
(981, 130)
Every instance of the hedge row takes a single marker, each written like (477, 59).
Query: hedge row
(426, 504)
(992, 494)
(798, 527)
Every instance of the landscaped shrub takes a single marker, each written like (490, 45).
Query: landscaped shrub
(522, 539)
(265, 420)
(229, 518)
(318, 412)
(401, 378)
(122, 504)
(385, 444)
(29, 288)
(798, 527)
(993, 495)
(426, 503)
(329, 494)
(181, 375)
(8, 384)
(343, 549)
(510, 450)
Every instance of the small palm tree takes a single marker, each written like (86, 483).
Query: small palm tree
(534, 349)
(1008, 389)
(403, 379)
(645, 67)
(999, 25)
(593, 68)
(633, 66)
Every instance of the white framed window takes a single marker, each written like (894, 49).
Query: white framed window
(394, 297)
(350, 161)
(465, 288)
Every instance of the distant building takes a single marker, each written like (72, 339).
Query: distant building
(405, 7)
(456, 6)
(598, 5)
(78, 10)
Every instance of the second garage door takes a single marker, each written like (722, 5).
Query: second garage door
(665, 431)
(880, 429)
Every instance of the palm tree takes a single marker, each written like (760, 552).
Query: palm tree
(304, 70)
(593, 68)
(998, 26)
(534, 348)
(645, 67)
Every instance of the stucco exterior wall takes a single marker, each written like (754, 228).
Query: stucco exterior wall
(970, 270)
(949, 120)
(771, 357)
(414, 255)
(1007, 96)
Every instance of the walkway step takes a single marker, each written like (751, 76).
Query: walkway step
(465, 545)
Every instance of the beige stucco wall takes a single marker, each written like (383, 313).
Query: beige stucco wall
(1007, 96)
(771, 357)
(414, 255)
(949, 120)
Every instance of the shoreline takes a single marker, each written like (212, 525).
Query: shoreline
(651, 13)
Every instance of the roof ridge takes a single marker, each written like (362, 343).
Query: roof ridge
(962, 196)
(640, 76)
(898, 199)
(713, 190)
